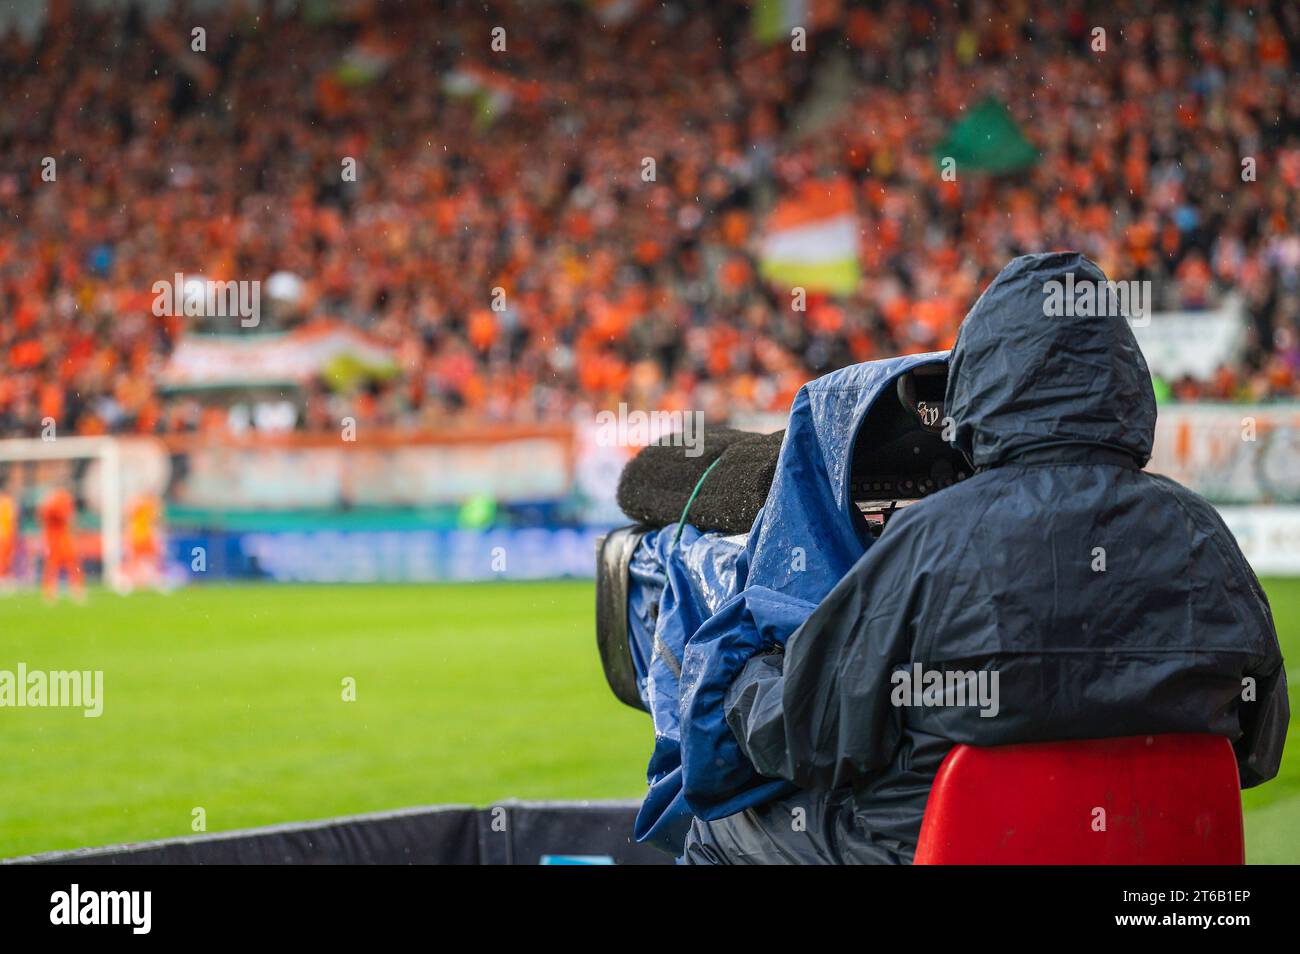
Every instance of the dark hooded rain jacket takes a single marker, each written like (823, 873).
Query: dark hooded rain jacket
(1107, 600)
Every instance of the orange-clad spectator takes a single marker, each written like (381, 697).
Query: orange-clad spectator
(482, 329)
(734, 275)
(1272, 46)
(1194, 277)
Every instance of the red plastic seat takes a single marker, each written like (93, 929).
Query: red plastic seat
(1167, 799)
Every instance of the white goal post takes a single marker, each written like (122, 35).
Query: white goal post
(106, 451)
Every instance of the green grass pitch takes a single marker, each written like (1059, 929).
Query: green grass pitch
(230, 699)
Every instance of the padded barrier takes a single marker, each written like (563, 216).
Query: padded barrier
(510, 833)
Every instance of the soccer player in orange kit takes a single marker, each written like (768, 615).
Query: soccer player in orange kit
(143, 548)
(8, 539)
(57, 511)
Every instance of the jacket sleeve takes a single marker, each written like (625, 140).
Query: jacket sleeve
(1264, 725)
(819, 714)
(754, 714)
(1263, 718)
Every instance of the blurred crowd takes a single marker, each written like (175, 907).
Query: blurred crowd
(527, 175)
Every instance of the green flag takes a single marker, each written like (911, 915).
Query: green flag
(987, 139)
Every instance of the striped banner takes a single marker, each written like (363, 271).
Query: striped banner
(811, 240)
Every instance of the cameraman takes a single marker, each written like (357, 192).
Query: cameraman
(1104, 600)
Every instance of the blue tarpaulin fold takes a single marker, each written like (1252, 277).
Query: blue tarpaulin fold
(700, 609)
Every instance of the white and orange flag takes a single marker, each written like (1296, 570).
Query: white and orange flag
(811, 239)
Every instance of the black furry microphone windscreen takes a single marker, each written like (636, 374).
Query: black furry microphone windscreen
(656, 484)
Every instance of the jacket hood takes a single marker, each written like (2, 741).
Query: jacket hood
(1023, 376)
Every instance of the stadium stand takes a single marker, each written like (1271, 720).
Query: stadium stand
(227, 164)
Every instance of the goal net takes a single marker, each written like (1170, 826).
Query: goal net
(102, 475)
